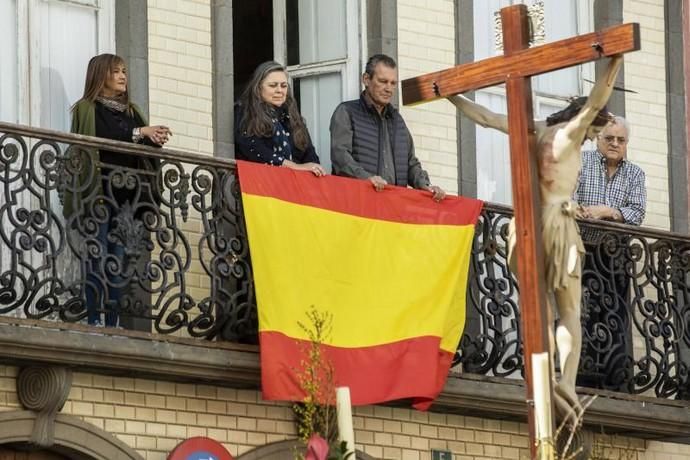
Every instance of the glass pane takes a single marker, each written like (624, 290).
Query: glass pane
(560, 21)
(64, 57)
(485, 28)
(318, 97)
(493, 164)
(316, 30)
(493, 158)
(9, 91)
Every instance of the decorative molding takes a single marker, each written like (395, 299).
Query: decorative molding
(125, 352)
(237, 366)
(537, 26)
(44, 391)
(74, 438)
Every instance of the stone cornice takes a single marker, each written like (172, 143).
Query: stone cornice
(127, 352)
(233, 365)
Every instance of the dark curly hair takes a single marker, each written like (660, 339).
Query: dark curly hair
(573, 109)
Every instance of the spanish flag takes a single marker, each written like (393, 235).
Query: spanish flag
(391, 267)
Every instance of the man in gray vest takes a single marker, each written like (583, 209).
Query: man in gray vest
(369, 139)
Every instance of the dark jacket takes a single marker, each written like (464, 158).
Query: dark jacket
(88, 169)
(260, 149)
(357, 142)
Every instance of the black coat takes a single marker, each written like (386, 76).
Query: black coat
(260, 149)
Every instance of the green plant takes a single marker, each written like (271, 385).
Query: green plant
(316, 413)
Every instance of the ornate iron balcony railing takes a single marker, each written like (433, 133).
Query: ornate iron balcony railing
(174, 257)
(176, 252)
(635, 308)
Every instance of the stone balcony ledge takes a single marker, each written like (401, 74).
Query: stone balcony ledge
(144, 355)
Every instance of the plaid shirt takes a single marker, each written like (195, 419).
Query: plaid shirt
(624, 191)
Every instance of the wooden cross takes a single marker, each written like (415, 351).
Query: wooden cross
(515, 68)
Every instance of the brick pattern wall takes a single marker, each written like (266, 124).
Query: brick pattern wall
(426, 42)
(393, 433)
(645, 72)
(7, 454)
(180, 71)
(154, 416)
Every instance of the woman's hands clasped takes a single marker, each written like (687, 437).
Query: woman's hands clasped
(158, 134)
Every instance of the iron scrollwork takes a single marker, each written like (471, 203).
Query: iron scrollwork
(635, 308)
(175, 243)
(176, 246)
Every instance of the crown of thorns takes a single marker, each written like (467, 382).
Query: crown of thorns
(579, 101)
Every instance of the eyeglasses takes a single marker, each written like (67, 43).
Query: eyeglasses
(610, 139)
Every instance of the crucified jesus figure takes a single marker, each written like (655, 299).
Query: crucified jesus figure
(558, 142)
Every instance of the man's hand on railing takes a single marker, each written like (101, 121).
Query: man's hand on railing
(603, 212)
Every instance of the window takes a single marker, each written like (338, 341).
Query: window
(320, 44)
(9, 97)
(45, 46)
(46, 60)
(318, 41)
(561, 19)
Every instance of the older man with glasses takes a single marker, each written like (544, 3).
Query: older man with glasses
(610, 188)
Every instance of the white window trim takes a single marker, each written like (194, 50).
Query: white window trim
(87, 3)
(585, 21)
(106, 26)
(24, 109)
(348, 67)
(356, 47)
(279, 32)
(29, 49)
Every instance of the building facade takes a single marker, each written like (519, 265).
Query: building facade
(68, 391)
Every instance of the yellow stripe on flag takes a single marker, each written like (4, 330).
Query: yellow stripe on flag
(361, 270)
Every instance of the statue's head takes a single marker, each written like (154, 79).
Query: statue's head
(573, 109)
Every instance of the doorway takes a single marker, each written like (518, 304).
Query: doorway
(252, 38)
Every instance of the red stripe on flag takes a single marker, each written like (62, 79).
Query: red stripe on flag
(356, 197)
(375, 374)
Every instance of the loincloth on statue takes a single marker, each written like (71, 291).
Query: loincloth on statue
(563, 248)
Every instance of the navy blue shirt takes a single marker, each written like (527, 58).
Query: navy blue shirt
(264, 149)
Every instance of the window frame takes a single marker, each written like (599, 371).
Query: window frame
(348, 67)
(29, 51)
(584, 22)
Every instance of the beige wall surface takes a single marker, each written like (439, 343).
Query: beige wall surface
(645, 73)
(153, 416)
(180, 71)
(426, 42)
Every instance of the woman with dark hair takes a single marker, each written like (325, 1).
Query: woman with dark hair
(106, 111)
(268, 126)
